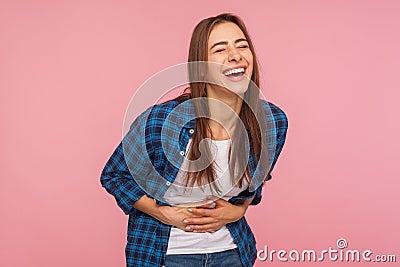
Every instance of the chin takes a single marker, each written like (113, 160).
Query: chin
(238, 88)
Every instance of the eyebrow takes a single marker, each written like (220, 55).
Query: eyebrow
(225, 42)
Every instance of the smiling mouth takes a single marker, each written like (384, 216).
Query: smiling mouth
(235, 72)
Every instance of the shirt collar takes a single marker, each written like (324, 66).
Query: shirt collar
(189, 116)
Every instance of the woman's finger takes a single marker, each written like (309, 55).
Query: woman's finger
(199, 220)
(206, 205)
(202, 212)
(212, 227)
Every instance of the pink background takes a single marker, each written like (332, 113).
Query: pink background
(69, 68)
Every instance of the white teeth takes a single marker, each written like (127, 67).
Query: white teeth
(232, 71)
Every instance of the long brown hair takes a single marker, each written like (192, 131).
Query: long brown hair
(198, 51)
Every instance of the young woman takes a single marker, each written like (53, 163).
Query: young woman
(195, 216)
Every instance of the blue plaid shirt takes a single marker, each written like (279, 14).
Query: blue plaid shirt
(142, 153)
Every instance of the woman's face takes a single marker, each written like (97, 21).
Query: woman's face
(228, 46)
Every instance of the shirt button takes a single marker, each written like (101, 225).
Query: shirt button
(191, 131)
(168, 183)
(182, 153)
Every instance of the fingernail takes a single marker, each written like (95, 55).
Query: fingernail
(188, 227)
(189, 210)
(194, 231)
(185, 221)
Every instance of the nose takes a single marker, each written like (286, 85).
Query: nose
(234, 54)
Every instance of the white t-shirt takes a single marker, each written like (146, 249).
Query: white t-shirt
(182, 242)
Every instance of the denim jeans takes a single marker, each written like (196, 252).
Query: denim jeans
(228, 258)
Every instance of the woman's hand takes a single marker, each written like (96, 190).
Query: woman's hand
(196, 219)
(169, 215)
(174, 216)
(211, 220)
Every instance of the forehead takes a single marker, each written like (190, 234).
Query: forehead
(225, 31)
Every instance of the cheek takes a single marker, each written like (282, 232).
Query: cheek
(249, 58)
(214, 58)
(250, 61)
